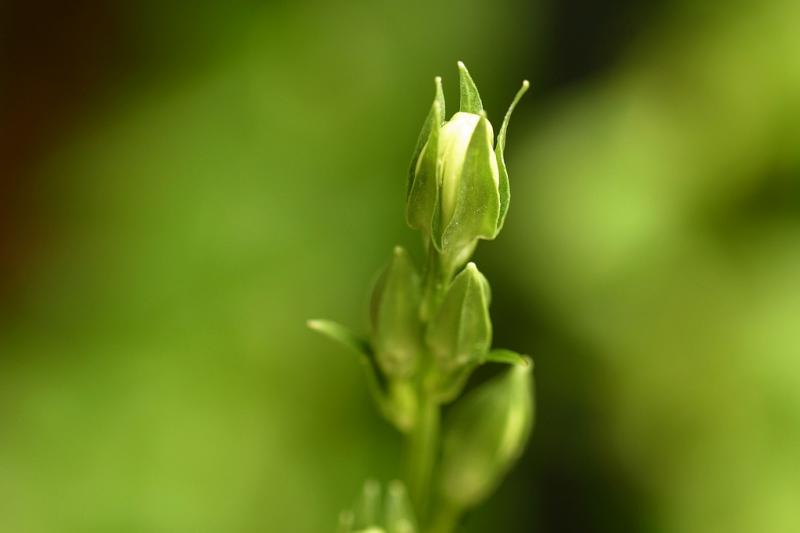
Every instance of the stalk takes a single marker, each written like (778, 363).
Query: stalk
(423, 442)
(423, 446)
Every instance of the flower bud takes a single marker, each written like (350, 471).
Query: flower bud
(485, 435)
(458, 183)
(396, 328)
(460, 333)
(376, 514)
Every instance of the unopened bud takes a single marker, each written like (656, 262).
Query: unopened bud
(485, 436)
(377, 513)
(460, 333)
(396, 328)
(458, 184)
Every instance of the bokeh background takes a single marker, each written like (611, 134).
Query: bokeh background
(183, 184)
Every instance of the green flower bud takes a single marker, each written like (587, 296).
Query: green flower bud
(396, 328)
(485, 435)
(460, 333)
(375, 513)
(458, 183)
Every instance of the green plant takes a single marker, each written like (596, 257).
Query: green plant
(430, 331)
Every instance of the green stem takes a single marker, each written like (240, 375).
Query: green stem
(422, 451)
(445, 519)
(433, 285)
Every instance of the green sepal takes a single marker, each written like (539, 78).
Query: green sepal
(422, 202)
(422, 190)
(504, 188)
(461, 332)
(477, 205)
(394, 313)
(376, 384)
(484, 436)
(470, 98)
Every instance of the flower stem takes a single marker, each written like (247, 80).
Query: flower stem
(423, 447)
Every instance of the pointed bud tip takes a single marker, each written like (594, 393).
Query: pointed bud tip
(313, 323)
(437, 80)
(526, 84)
(461, 65)
(398, 250)
(472, 267)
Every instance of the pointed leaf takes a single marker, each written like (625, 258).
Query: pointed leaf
(470, 99)
(341, 334)
(505, 190)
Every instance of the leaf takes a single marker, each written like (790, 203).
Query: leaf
(504, 189)
(470, 98)
(341, 334)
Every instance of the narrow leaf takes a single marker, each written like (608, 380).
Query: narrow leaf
(341, 334)
(375, 381)
(470, 99)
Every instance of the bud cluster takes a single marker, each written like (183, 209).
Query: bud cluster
(430, 327)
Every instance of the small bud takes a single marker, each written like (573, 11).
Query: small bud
(373, 513)
(396, 328)
(460, 333)
(485, 436)
(398, 514)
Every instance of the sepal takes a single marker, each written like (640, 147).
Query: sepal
(504, 188)
(470, 98)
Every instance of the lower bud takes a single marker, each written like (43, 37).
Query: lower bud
(485, 436)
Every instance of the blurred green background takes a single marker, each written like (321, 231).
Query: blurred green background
(183, 184)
